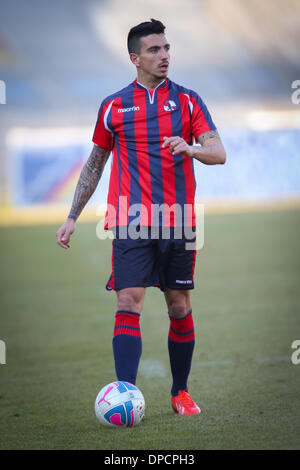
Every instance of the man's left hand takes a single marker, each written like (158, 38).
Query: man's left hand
(177, 145)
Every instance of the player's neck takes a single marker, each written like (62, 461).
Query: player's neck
(149, 82)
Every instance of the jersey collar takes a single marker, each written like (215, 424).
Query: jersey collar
(160, 85)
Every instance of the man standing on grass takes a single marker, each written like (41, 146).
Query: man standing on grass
(150, 126)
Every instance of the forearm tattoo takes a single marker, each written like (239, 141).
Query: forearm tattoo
(207, 135)
(88, 180)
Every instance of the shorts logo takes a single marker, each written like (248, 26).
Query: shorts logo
(179, 281)
(126, 110)
(169, 105)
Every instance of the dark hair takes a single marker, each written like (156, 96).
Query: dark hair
(142, 30)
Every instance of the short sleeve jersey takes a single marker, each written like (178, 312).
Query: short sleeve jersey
(148, 185)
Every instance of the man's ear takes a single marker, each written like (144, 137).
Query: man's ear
(135, 59)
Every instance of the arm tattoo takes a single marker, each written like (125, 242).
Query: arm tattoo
(209, 148)
(207, 135)
(88, 180)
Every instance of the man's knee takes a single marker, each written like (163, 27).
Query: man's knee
(178, 309)
(131, 299)
(178, 303)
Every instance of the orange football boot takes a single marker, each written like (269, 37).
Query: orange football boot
(183, 404)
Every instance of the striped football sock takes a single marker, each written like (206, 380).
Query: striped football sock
(181, 343)
(127, 345)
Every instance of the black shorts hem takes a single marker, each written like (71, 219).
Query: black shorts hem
(146, 285)
(182, 287)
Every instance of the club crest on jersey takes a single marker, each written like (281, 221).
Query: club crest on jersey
(169, 105)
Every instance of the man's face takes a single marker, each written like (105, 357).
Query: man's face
(154, 56)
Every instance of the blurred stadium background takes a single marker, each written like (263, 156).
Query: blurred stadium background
(59, 59)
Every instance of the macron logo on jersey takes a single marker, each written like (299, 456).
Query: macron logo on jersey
(126, 110)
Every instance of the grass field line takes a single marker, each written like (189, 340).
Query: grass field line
(234, 362)
(156, 368)
(150, 368)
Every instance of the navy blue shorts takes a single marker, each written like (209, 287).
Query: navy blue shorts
(160, 262)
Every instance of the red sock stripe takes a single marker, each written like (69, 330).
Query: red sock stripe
(182, 329)
(127, 323)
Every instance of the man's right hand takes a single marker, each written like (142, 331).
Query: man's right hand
(64, 233)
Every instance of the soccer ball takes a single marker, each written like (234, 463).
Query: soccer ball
(120, 404)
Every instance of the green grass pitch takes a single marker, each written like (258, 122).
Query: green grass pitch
(57, 322)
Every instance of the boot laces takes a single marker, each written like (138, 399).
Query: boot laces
(185, 398)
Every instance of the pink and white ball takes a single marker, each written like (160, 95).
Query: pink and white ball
(120, 404)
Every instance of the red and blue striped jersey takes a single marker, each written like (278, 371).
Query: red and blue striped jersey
(132, 123)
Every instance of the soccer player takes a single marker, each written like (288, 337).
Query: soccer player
(150, 126)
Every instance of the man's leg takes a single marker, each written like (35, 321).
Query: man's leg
(181, 338)
(181, 342)
(127, 341)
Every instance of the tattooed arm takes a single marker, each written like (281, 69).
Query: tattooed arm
(87, 183)
(211, 151)
(88, 180)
